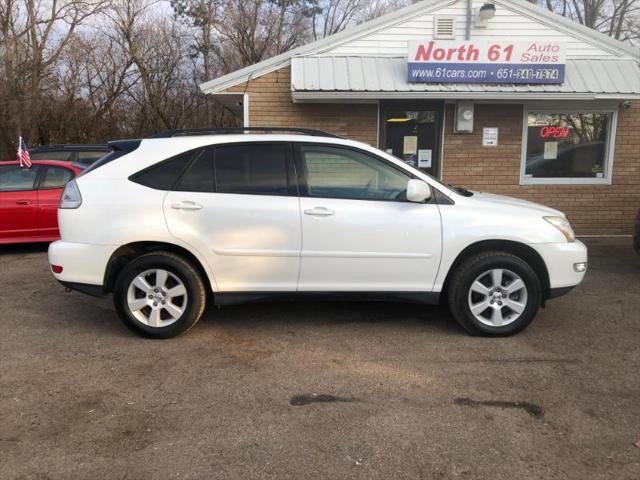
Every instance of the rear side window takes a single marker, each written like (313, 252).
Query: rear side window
(55, 177)
(251, 169)
(16, 179)
(199, 176)
(163, 176)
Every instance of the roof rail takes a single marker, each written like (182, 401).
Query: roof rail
(231, 130)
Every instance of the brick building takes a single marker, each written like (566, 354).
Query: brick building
(503, 97)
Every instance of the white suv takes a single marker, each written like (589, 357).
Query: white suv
(185, 217)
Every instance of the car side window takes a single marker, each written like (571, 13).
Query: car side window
(55, 177)
(163, 175)
(13, 178)
(251, 169)
(336, 172)
(199, 176)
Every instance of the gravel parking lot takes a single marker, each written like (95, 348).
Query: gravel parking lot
(310, 390)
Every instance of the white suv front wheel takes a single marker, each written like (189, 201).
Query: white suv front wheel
(159, 295)
(494, 294)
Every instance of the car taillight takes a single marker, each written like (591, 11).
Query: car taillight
(56, 268)
(71, 197)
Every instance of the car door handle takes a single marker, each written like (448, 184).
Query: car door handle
(319, 212)
(23, 202)
(186, 205)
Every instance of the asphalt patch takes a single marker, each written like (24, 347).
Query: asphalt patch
(307, 398)
(536, 411)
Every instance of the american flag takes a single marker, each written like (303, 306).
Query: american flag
(23, 154)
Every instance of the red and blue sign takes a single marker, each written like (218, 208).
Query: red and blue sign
(532, 62)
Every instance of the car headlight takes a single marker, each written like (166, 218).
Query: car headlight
(563, 225)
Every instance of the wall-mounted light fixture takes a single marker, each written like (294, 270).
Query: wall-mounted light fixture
(483, 14)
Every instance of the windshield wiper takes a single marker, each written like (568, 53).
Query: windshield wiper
(461, 190)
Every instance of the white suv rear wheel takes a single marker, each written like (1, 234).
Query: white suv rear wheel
(159, 295)
(157, 298)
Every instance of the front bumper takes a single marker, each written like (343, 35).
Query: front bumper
(82, 264)
(558, 292)
(561, 260)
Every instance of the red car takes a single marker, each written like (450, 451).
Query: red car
(29, 200)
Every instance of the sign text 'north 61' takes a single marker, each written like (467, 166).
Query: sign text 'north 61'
(433, 61)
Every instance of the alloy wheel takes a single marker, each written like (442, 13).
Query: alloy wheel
(497, 297)
(157, 298)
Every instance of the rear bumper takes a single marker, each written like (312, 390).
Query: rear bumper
(93, 290)
(82, 264)
(561, 260)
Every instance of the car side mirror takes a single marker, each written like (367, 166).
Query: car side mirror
(418, 191)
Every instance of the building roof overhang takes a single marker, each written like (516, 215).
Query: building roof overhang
(322, 78)
(371, 97)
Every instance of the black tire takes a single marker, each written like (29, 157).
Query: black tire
(474, 266)
(183, 270)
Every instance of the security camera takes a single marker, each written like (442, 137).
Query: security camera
(484, 13)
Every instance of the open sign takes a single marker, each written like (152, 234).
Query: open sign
(550, 131)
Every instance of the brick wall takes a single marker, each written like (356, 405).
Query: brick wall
(270, 104)
(593, 209)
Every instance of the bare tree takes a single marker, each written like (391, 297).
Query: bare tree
(376, 8)
(617, 18)
(333, 16)
(154, 45)
(248, 32)
(94, 75)
(202, 16)
(33, 36)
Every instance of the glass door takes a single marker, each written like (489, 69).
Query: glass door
(413, 134)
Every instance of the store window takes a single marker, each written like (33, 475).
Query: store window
(568, 147)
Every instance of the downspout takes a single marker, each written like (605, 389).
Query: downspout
(467, 31)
